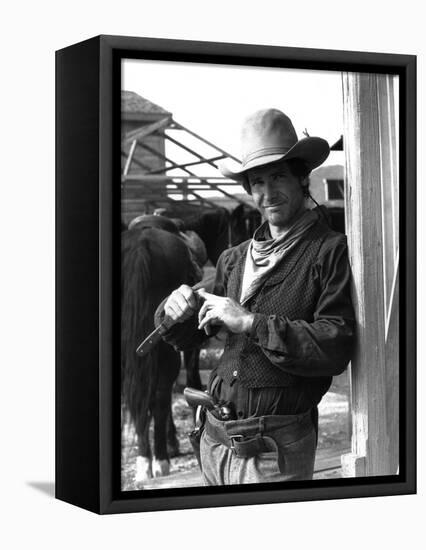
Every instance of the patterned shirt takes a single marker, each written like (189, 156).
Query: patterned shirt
(302, 334)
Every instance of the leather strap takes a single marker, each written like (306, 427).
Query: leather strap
(243, 447)
(258, 438)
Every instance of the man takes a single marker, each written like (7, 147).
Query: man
(284, 299)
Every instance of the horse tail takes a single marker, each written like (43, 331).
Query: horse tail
(137, 313)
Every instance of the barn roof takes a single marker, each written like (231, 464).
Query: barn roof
(187, 172)
(132, 102)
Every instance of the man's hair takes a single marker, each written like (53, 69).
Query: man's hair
(298, 169)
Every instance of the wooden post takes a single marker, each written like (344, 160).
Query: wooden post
(371, 187)
(129, 158)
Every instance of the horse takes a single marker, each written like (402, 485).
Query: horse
(212, 225)
(146, 387)
(198, 255)
(218, 228)
(154, 263)
(244, 220)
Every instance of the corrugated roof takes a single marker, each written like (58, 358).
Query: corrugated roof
(132, 102)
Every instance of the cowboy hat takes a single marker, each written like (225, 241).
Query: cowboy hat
(268, 136)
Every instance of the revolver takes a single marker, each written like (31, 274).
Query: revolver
(222, 410)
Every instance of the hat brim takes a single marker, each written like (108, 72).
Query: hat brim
(312, 150)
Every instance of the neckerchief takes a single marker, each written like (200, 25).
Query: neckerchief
(264, 254)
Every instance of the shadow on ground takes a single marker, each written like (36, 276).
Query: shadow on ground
(46, 487)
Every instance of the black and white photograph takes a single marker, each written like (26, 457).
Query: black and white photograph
(260, 290)
(212, 287)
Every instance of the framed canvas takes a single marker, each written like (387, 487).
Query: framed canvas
(142, 126)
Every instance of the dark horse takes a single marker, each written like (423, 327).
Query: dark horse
(213, 226)
(218, 228)
(154, 263)
(210, 224)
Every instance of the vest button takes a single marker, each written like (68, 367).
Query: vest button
(235, 373)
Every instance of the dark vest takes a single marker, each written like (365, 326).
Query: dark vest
(292, 291)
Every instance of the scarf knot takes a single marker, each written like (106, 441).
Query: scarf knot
(263, 255)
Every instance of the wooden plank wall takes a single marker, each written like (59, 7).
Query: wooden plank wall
(371, 196)
(388, 105)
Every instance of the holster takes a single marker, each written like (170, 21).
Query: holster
(251, 436)
(196, 433)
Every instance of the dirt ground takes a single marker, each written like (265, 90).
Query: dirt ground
(334, 426)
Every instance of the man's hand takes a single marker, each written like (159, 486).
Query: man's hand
(223, 311)
(181, 304)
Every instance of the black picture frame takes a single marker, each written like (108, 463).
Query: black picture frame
(88, 272)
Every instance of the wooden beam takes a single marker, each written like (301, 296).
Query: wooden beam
(177, 186)
(392, 375)
(163, 157)
(136, 161)
(129, 158)
(183, 166)
(217, 186)
(389, 180)
(181, 145)
(136, 204)
(189, 150)
(185, 179)
(180, 127)
(202, 199)
(366, 138)
(234, 197)
(145, 130)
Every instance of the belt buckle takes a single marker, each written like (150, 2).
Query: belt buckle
(233, 438)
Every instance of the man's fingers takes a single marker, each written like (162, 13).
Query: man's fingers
(207, 296)
(178, 303)
(171, 313)
(203, 310)
(208, 320)
(181, 304)
(174, 311)
(189, 295)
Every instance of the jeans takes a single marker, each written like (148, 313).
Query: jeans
(292, 456)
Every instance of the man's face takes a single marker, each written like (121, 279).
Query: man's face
(277, 194)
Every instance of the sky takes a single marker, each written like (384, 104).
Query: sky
(213, 100)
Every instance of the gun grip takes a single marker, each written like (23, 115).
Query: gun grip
(197, 397)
